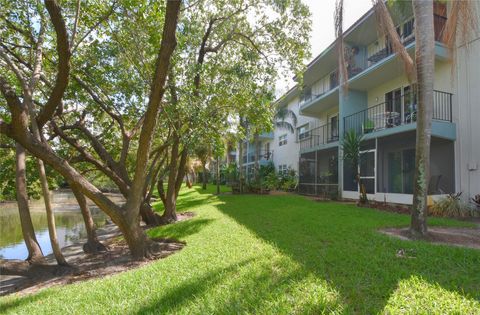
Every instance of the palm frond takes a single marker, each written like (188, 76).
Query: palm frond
(342, 64)
(284, 125)
(282, 114)
(387, 28)
(461, 20)
(351, 145)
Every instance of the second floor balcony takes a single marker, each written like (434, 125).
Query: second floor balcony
(263, 157)
(396, 112)
(320, 136)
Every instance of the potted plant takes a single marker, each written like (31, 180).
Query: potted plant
(368, 126)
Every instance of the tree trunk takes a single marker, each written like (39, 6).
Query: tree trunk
(218, 175)
(92, 245)
(175, 179)
(35, 254)
(425, 66)
(161, 191)
(204, 177)
(170, 213)
(148, 215)
(240, 165)
(52, 232)
(136, 239)
(257, 158)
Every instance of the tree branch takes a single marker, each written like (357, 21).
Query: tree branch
(63, 69)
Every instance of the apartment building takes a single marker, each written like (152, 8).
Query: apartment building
(381, 105)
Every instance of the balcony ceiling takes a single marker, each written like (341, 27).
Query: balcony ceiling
(321, 104)
(389, 68)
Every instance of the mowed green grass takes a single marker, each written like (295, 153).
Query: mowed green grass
(249, 254)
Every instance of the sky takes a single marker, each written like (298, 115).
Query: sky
(323, 33)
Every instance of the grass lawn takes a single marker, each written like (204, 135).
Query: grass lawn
(279, 255)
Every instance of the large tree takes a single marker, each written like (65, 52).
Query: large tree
(18, 128)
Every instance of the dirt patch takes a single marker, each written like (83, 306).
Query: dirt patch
(83, 266)
(389, 207)
(463, 237)
(182, 216)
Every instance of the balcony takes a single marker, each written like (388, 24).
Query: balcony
(264, 157)
(266, 136)
(397, 112)
(407, 37)
(319, 136)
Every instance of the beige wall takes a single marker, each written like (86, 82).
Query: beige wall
(467, 116)
(443, 82)
(322, 85)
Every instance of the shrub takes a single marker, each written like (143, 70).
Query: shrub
(271, 181)
(288, 180)
(453, 206)
(230, 173)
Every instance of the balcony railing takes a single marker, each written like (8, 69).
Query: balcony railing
(320, 135)
(439, 23)
(407, 37)
(397, 111)
(264, 156)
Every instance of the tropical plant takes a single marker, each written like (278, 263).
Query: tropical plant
(351, 146)
(281, 117)
(368, 126)
(453, 206)
(476, 201)
(288, 180)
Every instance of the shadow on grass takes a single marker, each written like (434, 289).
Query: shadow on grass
(265, 288)
(10, 304)
(179, 230)
(188, 200)
(175, 298)
(340, 243)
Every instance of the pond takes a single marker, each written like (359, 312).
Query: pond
(68, 218)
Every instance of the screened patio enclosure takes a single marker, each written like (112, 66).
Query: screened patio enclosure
(318, 172)
(387, 166)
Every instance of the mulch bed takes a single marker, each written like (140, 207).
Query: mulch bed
(463, 237)
(84, 266)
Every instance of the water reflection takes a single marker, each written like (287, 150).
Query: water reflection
(69, 221)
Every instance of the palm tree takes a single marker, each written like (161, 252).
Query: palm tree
(280, 119)
(351, 146)
(422, 70)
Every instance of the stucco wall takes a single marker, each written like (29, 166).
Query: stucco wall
(467, 116)
(443, 82)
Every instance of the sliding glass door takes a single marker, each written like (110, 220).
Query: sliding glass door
(401, 166)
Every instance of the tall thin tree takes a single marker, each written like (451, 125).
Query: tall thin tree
(35, 254)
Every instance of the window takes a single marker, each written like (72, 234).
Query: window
(306, 94)
(282, 169)
(409, 104)
(408, 29)
(333, 128)
(267, 155)
(303, 132)
(282, 140)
